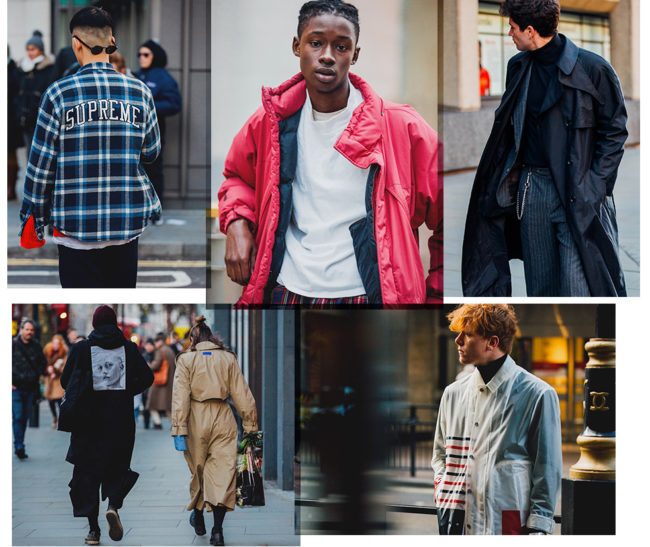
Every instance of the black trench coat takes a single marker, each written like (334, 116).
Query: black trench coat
(102, 423)
(586, 132)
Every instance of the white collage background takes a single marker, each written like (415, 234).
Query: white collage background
(633, 365)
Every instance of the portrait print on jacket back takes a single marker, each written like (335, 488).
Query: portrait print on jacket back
(109, 371)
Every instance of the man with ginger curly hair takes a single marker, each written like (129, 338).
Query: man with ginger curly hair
(497, 454)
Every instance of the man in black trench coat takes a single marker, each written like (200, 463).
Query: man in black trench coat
(543, 187)
(101, 377)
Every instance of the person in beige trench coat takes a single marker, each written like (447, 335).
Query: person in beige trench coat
(206, 375)
(56, 354)
(160, 396)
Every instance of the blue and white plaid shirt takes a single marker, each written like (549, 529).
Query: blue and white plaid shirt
(84, 175)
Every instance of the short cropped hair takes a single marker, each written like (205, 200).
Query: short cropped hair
(315, 8)
(160, 337)
(486, 320)
(542, 15)
(91, 17)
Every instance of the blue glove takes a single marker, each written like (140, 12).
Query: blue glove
(179, 443)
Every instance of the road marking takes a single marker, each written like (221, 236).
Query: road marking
(178, 279)
(146, 263)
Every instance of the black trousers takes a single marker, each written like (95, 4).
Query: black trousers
(108, 268)
(85, 486)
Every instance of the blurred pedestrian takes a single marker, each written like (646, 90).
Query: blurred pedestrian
(38, 74)
(166, 96)
(163, 365)
(71, 336)
(65, 63)
(149, 350)
(176, 344)
(88, 121)
(119, 64)
(56, 353)
(204, 427)
(27, 366)
(101, 377)
(14, 132)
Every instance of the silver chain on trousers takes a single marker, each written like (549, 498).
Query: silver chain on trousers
(520, 213)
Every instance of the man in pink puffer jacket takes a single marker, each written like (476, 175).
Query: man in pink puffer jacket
(323, 197)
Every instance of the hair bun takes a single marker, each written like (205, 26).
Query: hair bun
(200, 319)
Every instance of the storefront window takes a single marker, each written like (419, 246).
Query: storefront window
(496, 48)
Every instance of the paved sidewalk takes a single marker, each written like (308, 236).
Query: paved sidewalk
(626, 195)
(154, 511)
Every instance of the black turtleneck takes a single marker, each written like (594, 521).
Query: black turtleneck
(490, 369)
(543, 92)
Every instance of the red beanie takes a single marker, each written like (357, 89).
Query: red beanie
(104, 315)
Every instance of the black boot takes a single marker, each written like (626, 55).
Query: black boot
(216, 537)
(92, 538)
(93, 534)
(197, 522)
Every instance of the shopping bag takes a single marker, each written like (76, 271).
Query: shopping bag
(250, 488)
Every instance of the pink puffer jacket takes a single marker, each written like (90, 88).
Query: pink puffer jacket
(407, 189)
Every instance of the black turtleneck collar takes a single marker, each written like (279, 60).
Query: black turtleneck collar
(550, 53)
(490, 369)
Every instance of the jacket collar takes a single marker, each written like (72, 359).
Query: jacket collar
(569, 57)
(359, 139)
(96, 66)
(507, 371)
(570, 73)
(206, 345)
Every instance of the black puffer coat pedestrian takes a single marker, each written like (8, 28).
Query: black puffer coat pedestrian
(102, 422)
(32, 85)
(586, 133)
(27, 364)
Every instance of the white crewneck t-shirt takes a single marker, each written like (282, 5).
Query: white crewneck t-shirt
(328, 196)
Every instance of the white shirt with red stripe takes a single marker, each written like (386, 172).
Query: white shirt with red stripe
(497, 452)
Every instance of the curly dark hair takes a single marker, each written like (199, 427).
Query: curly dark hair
(334, 7)
(542, 15)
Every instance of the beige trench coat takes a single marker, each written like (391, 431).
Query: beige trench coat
(204, 379)
(160, 397)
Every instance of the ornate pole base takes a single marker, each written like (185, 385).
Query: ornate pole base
(589, 494)
(597, 459)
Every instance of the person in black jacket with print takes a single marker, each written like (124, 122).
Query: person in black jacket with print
(101, 377)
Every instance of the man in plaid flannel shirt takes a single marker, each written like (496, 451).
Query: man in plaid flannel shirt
(84, 175)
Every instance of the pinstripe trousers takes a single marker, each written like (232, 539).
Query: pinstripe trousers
(552, 264)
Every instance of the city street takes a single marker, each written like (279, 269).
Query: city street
(626, 195)
(153, 513)
(152, 273)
